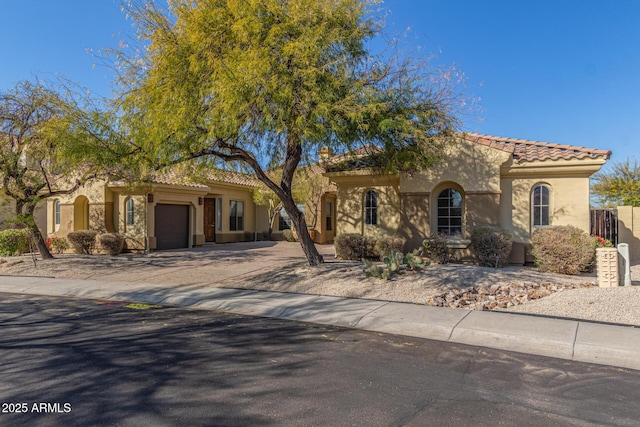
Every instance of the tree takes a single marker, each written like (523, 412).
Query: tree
(47, 144)
(307, 189)
(620, 186)
(265, 83)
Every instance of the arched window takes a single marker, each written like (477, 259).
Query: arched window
(371, 208)
(540, 211)
(56, 213)
(130, 211)
(449, 214)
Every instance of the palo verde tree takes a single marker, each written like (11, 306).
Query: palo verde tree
(48, 148)
(620, 186)
(266, 83)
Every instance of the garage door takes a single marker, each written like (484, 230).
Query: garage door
(172, 226)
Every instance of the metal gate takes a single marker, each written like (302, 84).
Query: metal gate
(604, 223)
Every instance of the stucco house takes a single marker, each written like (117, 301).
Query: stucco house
(514, 184)
(172, 211)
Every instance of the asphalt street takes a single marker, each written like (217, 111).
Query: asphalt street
(87, 362)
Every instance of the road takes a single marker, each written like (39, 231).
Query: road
(84, 362)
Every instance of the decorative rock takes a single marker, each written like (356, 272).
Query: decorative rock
(498, 295)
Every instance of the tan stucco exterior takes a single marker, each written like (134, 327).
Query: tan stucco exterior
(496, 191)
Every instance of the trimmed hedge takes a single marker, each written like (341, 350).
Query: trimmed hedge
(14, 241)
(492, 246)
(113, 243)
(350, 246)
(436, 248)
(385, 245)
(83, 241)
(563, 249)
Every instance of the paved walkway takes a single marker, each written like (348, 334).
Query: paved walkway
(561, 338)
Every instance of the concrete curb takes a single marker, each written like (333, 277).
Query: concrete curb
(581, 341)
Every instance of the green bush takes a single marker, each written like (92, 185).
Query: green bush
(563, 249)
(350, 246)
(289, 236)
(57, 244)
(435, 248)
(14, 242)
(83, 241)
(113, 243)
(492, 246)
(385, 245)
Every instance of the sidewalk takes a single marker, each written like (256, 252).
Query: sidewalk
(566, 339)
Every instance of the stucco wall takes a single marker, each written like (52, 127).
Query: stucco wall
(629, 229)
(350, 205)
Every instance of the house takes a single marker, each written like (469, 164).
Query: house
(514, 184)
(172, 211)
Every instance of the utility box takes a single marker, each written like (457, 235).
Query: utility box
(607, 267)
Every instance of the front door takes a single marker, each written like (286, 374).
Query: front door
(210, 220)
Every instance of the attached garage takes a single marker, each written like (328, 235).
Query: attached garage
(172, 226)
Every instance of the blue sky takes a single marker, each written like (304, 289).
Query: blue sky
(563, 71)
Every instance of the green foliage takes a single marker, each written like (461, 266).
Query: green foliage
(113, 243)
(563, 249)
(57, 244)
(289, 236)
(14, 242)
(83, 241)
(492, 246)
(602, 242)
(435, 248)
(52, 140)
(394, 263)
(350, 246)
(234, 82)
(385, 245)
(618, 187)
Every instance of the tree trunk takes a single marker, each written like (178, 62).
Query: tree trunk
(36, 235)
(308, 247)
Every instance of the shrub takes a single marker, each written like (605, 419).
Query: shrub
(289, 236)
(435, 248)
(350, 246)
(492, 246)
(83, 241)
(113, 243)
(57, 244)
(385, 245)
(563, 249)
(14, 241)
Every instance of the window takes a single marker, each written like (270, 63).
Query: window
(371, 208)
(56, 213)
(284, 222)
(236, 215)
(130, 211)
(328, 216)
(540, 206)
(450, 213)
(219, 214)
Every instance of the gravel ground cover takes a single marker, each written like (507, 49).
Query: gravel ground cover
(281, 267)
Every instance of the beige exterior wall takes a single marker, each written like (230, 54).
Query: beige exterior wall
(629, 229)
(350, 205)
(228, 193)
(496, 192)
(8, 209)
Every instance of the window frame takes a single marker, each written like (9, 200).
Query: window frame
(448, 199)
(328, 216)
(541, 205)
(56, 214)
(129, 212)
(236, 221)
(371, 204)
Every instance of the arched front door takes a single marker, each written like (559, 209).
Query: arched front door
(81, 213)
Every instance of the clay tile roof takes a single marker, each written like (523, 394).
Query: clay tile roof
(177, 177)
(526, 151)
